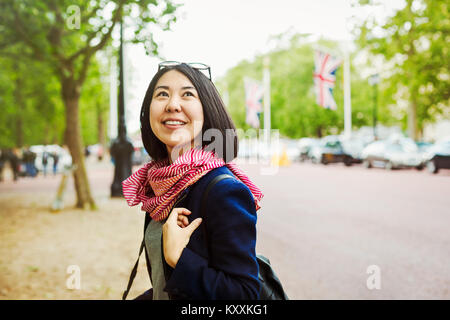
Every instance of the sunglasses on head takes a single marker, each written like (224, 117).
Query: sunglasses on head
(194, 65)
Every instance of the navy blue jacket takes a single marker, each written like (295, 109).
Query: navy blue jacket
(224, 266)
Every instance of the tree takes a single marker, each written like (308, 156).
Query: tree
(66, 35)
(415, 42)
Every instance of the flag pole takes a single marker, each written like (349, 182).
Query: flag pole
(266, 80)
(347, 95)
(112, 99)
(266, 84)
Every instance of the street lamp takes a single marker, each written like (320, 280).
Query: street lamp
(373, 81)
(121, 148)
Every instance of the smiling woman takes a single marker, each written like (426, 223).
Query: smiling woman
(176, 113)
(181, 93)
(217, 261)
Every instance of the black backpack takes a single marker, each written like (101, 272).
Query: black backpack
(271, 288)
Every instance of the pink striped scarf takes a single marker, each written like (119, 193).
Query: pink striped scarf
(158, 184)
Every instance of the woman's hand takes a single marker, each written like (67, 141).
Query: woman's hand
(176, 234)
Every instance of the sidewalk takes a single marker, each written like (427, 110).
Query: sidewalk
(37, 246)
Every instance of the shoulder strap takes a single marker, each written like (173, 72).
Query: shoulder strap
(133, 272)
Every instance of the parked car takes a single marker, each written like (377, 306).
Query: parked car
(304, 146)
(438, 156)
(354, 147)
(393, 154)
(329, 150)
(423, 146)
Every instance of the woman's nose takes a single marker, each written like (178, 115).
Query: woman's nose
(173, 105)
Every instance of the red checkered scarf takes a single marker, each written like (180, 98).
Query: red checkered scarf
(158, 184)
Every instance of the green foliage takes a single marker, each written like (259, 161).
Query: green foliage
(414, 40)
(32, 111)
(42, 112)
(94, 103)
(49, 48)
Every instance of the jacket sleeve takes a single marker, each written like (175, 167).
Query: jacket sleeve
(232, 271)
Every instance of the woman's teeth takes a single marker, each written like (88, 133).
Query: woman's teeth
(173, 122)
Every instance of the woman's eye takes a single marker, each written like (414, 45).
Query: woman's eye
(189, 93)
(162, 93)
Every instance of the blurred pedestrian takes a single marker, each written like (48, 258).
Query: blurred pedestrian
(28, 160)
(2, 162)
(14, 162)
(44, 161)
(100, 153)
(55, 157)
(218, 261)
(87, 152)
(32, 163)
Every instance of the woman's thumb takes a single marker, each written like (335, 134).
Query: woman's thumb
(193, 225)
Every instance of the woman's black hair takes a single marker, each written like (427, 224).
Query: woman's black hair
(215, 116)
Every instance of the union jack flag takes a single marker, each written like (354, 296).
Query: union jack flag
(324, 78)
(254, 92)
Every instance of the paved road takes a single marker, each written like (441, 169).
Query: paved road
(323, 226)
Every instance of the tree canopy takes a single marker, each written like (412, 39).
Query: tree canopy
(64, 37)
(413, 42)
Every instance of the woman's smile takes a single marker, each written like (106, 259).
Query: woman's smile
(173, 124)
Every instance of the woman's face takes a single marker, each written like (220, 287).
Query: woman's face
(176, 113)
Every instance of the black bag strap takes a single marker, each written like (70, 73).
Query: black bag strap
(133, 272)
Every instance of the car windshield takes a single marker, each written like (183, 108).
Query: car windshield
(333, 144)
(394, 147)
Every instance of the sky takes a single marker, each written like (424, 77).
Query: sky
(223, 33)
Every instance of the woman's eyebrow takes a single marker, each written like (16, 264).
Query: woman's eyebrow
(167, 87)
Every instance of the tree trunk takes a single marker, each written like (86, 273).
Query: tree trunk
(319, 131)
(20, 105)
(71, 96)
(101, 127)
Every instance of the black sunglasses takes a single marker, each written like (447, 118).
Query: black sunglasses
(194, 65)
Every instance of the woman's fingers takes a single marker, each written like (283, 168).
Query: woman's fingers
(182, 221)
(173, 216)
(178, 215)
(176, 234)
